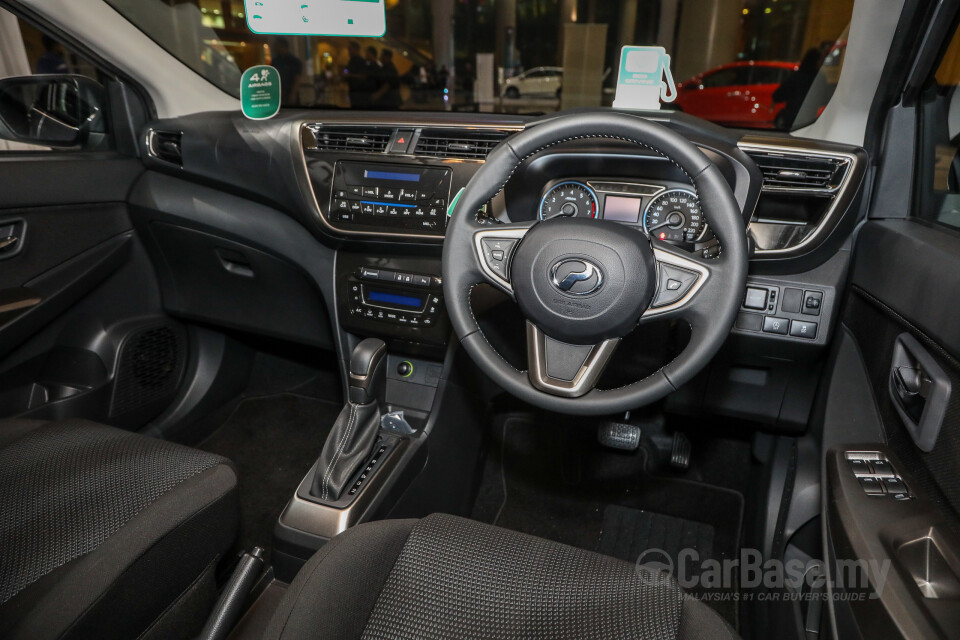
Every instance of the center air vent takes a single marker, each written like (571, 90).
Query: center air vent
(790, 172)
(165, 145)
(466, 145)
(356, 139)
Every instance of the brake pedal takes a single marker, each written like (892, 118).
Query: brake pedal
(618, 435)
(680, 453)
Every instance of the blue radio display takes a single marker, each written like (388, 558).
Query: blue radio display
(391, 175)
(410, 302)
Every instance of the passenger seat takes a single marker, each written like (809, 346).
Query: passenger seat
(108, 534)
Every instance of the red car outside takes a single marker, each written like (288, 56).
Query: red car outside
(738, 94)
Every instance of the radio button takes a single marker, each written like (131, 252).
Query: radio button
(380, 209)
(440, 203)
(368, 209)
(420, 212)
(407, 195)
(342, 205)
(355, 206)
(422, 281)
(355, 191)
(393, 211)
(425, 196)
(390, 194)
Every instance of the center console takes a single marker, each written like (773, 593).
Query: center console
(390, 198)
(392, 297)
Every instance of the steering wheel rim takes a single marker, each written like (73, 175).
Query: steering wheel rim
(710, 306)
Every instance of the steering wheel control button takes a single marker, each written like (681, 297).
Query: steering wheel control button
(780, 326)
(812, 301)
(801, 329)
(496, 254)
(756, 299)
(674, 284)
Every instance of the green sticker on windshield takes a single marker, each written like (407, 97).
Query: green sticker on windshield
(260, 92)
(357, 18)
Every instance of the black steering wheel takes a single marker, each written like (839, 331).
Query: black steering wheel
(584, 284)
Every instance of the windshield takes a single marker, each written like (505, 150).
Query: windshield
(770, 64)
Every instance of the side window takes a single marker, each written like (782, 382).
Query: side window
(50, 97)
(727, 78)
(938, 185)
(768, 75)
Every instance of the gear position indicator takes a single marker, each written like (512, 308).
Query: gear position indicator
(357, 18)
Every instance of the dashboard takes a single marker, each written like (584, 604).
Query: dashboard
(317, 224)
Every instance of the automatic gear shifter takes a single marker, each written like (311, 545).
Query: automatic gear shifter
(354, 433)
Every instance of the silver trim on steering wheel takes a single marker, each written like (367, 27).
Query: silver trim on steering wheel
(585, 379)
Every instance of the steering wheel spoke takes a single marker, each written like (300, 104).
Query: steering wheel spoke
(494, 248)
(565, 370)
(680, 277)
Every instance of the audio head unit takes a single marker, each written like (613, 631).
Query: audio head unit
(390, 198)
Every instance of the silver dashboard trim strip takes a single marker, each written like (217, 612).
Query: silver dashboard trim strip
(840, 195)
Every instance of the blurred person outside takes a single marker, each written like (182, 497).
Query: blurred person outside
(52, 60)
(387, 95)
(289, 67)
(357, 73)
(794, 89)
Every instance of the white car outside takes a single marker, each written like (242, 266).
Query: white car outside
(537, 82)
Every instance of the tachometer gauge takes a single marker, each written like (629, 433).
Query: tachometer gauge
(674, 216)
(569, 199)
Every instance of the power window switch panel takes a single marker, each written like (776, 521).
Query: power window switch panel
(871, 486)
(755, 299)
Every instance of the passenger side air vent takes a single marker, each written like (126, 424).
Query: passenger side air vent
(351, 139)
(453, 143)
(165, 146)
(791, 172)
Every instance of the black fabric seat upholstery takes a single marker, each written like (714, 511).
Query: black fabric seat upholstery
(108, 534)
(445, 577)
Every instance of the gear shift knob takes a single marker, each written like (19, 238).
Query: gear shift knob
(367, 370)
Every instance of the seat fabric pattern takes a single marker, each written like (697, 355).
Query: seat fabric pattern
(67, 486)
(457, 578)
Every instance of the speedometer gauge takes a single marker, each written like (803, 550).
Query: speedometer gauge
(674, 216)
(569, 199)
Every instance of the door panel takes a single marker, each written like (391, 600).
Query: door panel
(901, 313)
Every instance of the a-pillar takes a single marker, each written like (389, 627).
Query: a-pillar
(506, 34)
(709, 35)
(568, 15)
(443, 34)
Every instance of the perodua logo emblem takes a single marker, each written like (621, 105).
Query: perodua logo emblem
(577, 276)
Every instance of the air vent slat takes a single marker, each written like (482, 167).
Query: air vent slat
(352, 139)
(803, 172)
(474, 145)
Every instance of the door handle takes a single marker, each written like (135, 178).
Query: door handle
(919, 389)
(9, 243)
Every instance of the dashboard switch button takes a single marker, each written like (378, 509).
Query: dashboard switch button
(755, 299)
(780, 326)
(801, 329)
(812, 301)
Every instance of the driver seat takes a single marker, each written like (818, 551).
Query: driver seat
(446, 577)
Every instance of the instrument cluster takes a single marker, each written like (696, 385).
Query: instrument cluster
(670, 211)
